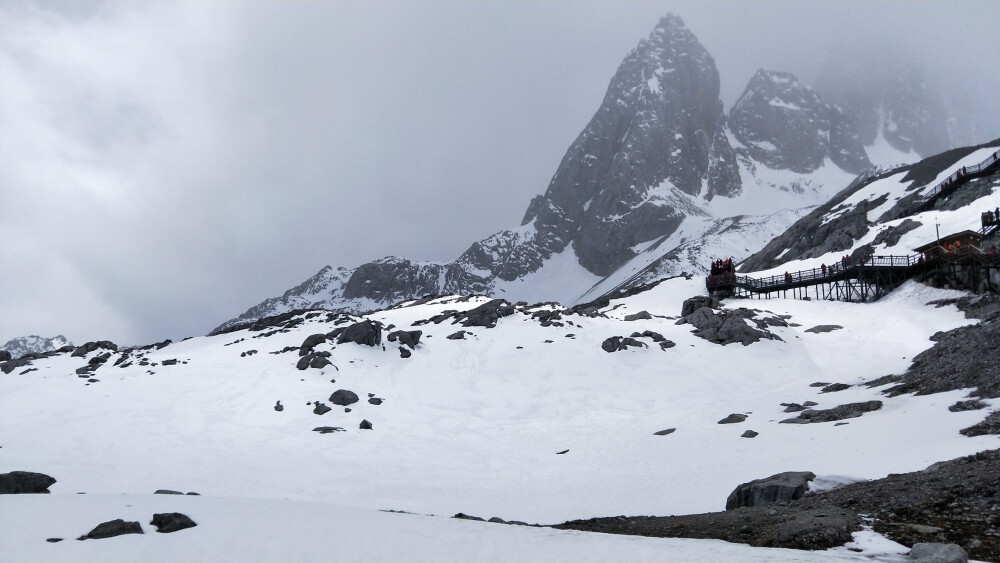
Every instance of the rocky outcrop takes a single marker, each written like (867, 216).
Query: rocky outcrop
(731, 326)
(343, 397)
(23, 345)
(786, 125)
(168, 522)
(25, 482)
(840, 412)
(111, 529)
(791, 485)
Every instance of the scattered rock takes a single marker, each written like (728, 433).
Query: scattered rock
(25, 482)
(969, 405)
(89, 347)
(168, 522)
(496, 520)
(819, 384)
(404, 353)
(328, 429)
(793, 407)
(167, 492)
(840, 412)
(311, 342)
(365, 333)
(640, 316)
(487, 314)
(170, 362)
(111, 529)
(694, 303)
(733, 418)
(406, 337)
(824, 328)
(320, 408)
(460, 335)
(938, 553)
(790, 485)
(562, 452)
(834, 387)
(664, 432)
(375, 401)
(317, 360)
(618, 343)
(279, 407)
(54, 540)
(343, 397)
(365, 425)
(749, 434)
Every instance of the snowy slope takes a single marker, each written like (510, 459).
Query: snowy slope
(469, 425)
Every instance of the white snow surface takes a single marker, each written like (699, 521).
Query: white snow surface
(469, 426)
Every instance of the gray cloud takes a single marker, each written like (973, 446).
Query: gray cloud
(164, 165)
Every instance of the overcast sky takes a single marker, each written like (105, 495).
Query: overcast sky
(165, 165)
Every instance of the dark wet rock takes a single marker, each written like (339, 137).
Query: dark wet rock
(733, 418)
(989, 425)
(969, 405)
(320, 408)
(640, 316)
(317, 360)
(937, 553)
(343, 397)
(487, 314)
(25, 482)
(311, 342)
(460, 335)
(111, 529)
(406, 337)
(790, 485)
(89, 347)
(824, 328)
(365, 333)
(834, 387)
(365, 425)
(328, 429)
(279, 407)
(168, 522)
(749, 434)
(375, 401)
(404, 353)
(664, 432)
(692, 304)
(840, 412)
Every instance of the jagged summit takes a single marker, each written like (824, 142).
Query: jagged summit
(788, 125)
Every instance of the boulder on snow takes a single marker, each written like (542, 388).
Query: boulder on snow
(366, 333)
(840, 412)
(733, 418)
(310, 342)
(790, 485)
(664, 432)
(365, 425)
(89, 347)
(343, 397)
(328, 429)
(406, 337)
(692, 304)
(460, 335)
(938, 553)
(166, 492)
(111, 529)
(404, 353)
(617, 343)
(279, 407)
(25, 482)
(749, 434)
(640, 316)
(316, 360)
(823, 328)
(320, 408)
(5, 356)
(487, 314)
(168, 522)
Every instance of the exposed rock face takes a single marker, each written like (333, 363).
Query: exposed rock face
(786, 125)
(840, 412)
(790, 485)
(366, 333)
(168, 522)
(938, 553)
(111, 529)
(657, 137)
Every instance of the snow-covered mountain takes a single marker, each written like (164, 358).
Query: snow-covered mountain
(658, 182)
(466, 405)
(22, 345)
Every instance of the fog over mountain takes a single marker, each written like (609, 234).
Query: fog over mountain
(164, 165)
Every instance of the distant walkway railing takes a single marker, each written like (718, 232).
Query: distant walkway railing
(952, 181)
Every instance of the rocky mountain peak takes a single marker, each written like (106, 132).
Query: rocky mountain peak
(34, 344)
(787, 125)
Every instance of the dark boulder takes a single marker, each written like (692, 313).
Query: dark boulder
(692, 304)
(824, 328)
(640, 316)
(664, 432)
(5, 356)
(406, 337)
(168, 522)
(487, 314)
(316, 360)
(167, 492)
(89, 347)
(25, 482)
(279, 407)
(170, 362)
(460, 335)
(310, 342)
(749, 434)
(328, 429)
(840, 412)
(834, 387)
(366, 333)
(320, 408)
(111, 529)
(617, 343)
(365, 425)
(375, 401)
(404, 353)
(790, 485)
(733, 418)
(343, 397)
